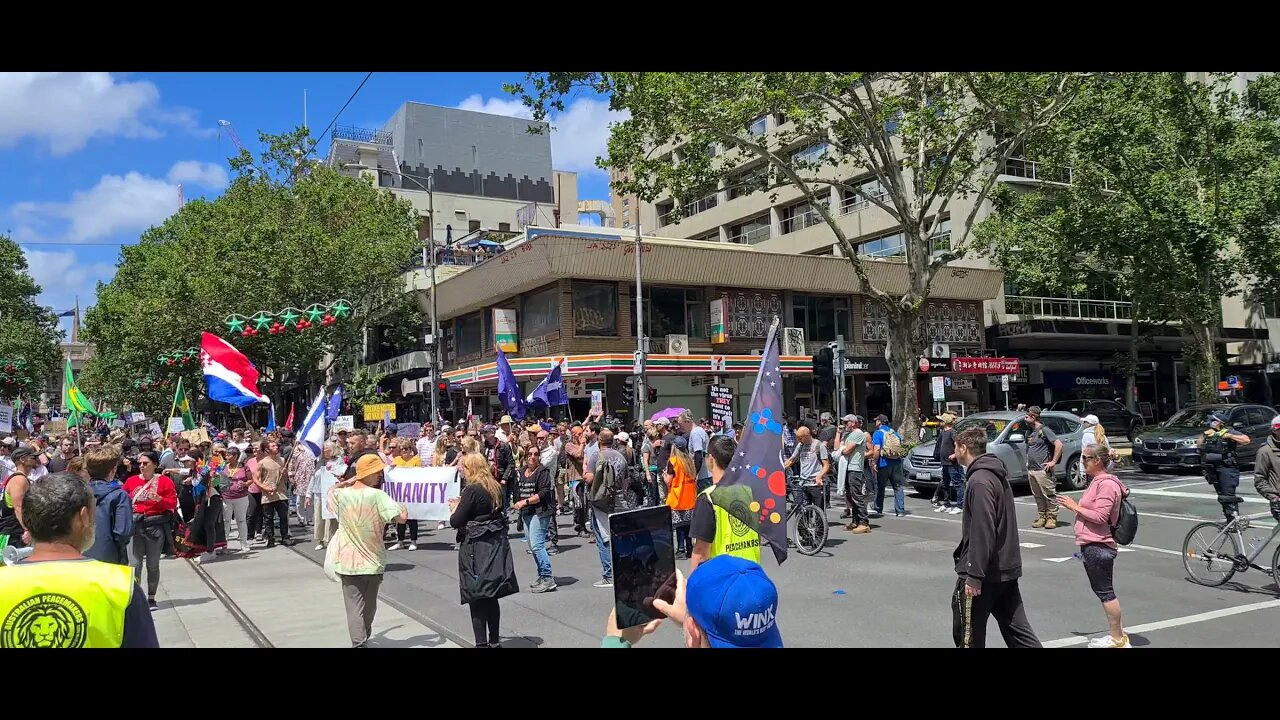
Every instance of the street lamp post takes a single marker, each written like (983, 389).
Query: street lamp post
(429, 263)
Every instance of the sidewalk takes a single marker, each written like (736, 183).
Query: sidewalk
(283, 594)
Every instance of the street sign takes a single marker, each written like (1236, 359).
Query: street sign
(637, 363)
(939, 388)
(1233, 381)
(1004, 383)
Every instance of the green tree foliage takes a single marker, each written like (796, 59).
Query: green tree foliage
(925, 137)
(363, 389)
(287, 233)
(27, 330)
(1173, 195)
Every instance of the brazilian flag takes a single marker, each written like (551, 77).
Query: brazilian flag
(180, 404)
(73, 400)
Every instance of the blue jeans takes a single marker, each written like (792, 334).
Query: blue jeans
(602, 547)
(891, 474)
(538, 541)
(954, 476)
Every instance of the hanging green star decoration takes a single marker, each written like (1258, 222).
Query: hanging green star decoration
(316, 315)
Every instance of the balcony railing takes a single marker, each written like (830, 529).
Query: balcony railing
(752, 236)
(1051, 308)
(1032, 170)
(359, 134)
(856, 202)
(800, 221)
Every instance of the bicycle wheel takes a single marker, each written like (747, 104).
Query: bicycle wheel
(1209, 554)
(811, 529)
(1275, 568)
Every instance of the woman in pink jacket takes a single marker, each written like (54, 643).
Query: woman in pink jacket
(1096, 513)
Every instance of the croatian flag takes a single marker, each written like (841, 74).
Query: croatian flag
(230, 377)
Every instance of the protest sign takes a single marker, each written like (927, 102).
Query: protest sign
(154, 429)
(424, 491)
(326, 480)
(139, 417)
(197, 436)
(6, 418)
(55, 427)
(721, 406)
(175, 425)
(409, 430)
(344, 422)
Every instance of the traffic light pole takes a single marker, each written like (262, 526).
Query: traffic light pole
(642, 386)
(837, 375)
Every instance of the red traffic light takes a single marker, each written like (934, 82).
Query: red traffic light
(442, 386)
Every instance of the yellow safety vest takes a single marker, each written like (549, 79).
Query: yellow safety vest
(64, 604)
(733, 537)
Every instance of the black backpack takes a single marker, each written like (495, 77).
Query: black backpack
(604, 491)
(1126, 527)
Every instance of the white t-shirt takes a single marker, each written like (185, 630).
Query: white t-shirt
(698, 442)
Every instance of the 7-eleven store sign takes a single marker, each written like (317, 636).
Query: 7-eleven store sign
(590, 368)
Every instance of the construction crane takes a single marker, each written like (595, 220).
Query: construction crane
(225, 125)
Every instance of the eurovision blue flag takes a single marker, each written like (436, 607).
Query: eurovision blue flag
(550, 392)
(335, 407)
(509, 389)
(754, 487)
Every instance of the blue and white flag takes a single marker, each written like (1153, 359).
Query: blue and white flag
(509, 389)
(312, 432)
(550, 392)
(335, 406)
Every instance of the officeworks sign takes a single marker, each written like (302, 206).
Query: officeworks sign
(1080, 379)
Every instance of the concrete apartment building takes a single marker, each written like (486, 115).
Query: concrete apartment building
(1067, 346)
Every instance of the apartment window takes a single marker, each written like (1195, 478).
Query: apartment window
(595, 309)
(757, 127)
(779, 119)
(713, 236)
(702, 204)
(419, 148)
(1272, 308)
(748, 182)
(942, 236)
(822, 317)
(626, 202)
(459, 216)
(750, 232)
(469, 333)
(885, 246)
(802, 215)
(665, 210)
(504, 227)
(626, 214)
(473, 225)
(854, 202)
(811, 155)
(675, 311)
(540, 313)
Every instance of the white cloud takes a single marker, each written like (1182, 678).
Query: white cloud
(63, 278)
(579, 135)
(117, 204)
(65, 110)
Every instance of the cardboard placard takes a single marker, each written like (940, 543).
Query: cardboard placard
(6, 418)
(409, 430)
(721, 397)
(154, 429)
(374, 413)
(55, 427)
(197, 436)
(344, 422)
(138, 417)
(175, 425)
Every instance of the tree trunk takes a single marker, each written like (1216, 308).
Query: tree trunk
(1201, 355)
(902, 353)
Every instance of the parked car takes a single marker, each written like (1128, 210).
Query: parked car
(1006, 439)
(1173, 443)
(1116, 419)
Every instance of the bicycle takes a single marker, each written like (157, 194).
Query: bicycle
(810, 533)
(1218, 561)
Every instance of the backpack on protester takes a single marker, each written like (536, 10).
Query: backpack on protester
(604, 490)
(1126, 527)
(892, 448)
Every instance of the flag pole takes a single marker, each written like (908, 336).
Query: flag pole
(175, 400)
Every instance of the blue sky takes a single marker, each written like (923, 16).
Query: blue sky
(93, 159)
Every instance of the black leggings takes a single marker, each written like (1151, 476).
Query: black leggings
(484, 616)
(413, 531)
(255, 515)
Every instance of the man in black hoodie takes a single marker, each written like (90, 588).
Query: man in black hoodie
(988, 559)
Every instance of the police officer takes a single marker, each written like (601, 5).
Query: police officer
(57, 597)
(1218, 459)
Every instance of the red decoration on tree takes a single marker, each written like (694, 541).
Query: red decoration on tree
(328, 320)
(303, 324)
(169, 362)
(276, 328)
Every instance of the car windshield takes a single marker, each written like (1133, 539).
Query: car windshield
(1066, 406)
(993, 426)
(1191, 418)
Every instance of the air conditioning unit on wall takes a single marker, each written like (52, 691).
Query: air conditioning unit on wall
(678, 344)
(793, 341)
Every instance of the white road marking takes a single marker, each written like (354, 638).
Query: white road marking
(1202, 483)
(1174, 622)
(1194, 496)
(1059, 560)
(1123, 549)
(1050, 533)
(1030, 545)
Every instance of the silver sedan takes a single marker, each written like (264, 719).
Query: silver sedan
(1006, 439)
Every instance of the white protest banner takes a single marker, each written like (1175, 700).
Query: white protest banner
(6, 418)
(154, 429)
(424, 491)
(117, 423)
(343, 422)
(139, 417)
(326, 480)
(175, 425)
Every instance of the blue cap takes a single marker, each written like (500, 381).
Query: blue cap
(1218, 417)
(734, 603)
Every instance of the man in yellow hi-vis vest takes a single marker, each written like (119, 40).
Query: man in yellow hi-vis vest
(714, 530)
(58, 598)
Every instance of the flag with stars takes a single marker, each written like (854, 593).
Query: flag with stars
(754, 487)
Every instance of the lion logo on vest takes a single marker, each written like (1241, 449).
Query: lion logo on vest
(47, 620)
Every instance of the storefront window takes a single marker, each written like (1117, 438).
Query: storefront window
(822, 317)
(540, 313)
(595, 309)
(675, 311)
(469, 334)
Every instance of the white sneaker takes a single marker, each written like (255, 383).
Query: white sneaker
(319, 546)
(395, 546)
(939, 508)
(442, 525)
(413, 546)
(1106, 641)
(955, 511)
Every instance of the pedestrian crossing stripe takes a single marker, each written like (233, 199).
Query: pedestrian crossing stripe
(1030, 545)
